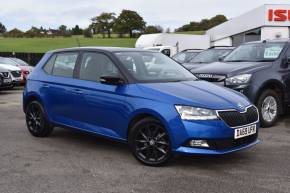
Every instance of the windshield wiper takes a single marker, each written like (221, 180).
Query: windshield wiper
(263, 61)
(237, 61)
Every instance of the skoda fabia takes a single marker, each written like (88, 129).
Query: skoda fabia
(139, 97)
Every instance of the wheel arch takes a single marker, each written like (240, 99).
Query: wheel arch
(275, 85)
(144, 113)
(29, 98)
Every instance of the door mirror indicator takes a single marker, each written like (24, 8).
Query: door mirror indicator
(112, 80)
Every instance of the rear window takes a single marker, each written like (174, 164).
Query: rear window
(61, 64)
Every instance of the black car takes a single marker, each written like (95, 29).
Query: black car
(5, 79)
(186, 55)
(210, 55)
(261, 71)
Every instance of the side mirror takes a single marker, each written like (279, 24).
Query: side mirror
(112, 80)
(285, 62)
(221, 58)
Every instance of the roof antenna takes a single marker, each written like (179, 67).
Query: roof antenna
(78, 42)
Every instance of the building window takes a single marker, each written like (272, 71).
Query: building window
(249, 36)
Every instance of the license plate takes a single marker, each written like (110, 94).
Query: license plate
(245, 131)
(7, 81)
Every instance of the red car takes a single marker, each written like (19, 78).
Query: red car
(26, 69)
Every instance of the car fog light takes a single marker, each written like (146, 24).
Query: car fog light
(198, 143)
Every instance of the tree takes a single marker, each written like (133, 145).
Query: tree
(129, 21)
(150, 29)
(204, 24)
(15, 33)
(77, 30)
(62, 29)
(2, 28)
(217, 20)
(88, 33)
(33, 32)
(104, 23)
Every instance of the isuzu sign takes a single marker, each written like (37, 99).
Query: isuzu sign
(280, 15)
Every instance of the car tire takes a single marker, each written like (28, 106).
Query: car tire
(269, 105)
(36, 120)
(149, 142)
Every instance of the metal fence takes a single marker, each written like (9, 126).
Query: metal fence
(30, 58)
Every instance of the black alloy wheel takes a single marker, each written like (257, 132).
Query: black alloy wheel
(149, 142)
(36, 120)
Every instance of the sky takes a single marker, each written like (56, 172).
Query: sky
(23, 14)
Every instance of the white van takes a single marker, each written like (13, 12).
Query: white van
(171, 44)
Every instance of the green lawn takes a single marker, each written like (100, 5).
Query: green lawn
(41, 45)
(192, 32)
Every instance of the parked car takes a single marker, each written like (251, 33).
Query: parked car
(26, 69)
(185, 56)
(14, 72)
(261, 71)
(208, 56)
(5, 79)
(101, 92)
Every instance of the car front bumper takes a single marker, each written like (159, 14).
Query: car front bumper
(6, 83)
(190, 150)
(218, 136)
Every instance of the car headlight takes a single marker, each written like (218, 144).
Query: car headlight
(239, 79)
(195, 113)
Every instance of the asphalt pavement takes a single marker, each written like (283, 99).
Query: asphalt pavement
(75, 162)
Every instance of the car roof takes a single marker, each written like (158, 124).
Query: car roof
(96, 48)
(192, 50)
(282, 40)
(223, 47)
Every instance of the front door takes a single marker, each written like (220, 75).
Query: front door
(286, 76)
(101, 107)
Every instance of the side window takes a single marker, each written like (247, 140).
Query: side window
(49, 65)
(166, 52)
(64, 64)
(95, 65)
(288, 52)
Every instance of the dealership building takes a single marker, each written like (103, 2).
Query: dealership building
(269, 21)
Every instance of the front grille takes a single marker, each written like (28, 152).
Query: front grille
(235, 118)
(16, 74)
(5, 74)
(211, 77)
(224, 144)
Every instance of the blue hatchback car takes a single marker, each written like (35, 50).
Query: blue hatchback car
(139, 97)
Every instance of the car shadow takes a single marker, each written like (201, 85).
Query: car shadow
(87, 140)
(90, 141)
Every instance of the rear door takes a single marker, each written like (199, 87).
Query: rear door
(59, 89)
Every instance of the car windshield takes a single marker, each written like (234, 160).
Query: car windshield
(182, 57)
(256, 52)
(210, 55)
(20, 62)
(153, 67)
(7, 61)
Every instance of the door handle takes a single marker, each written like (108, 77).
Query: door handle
(77, 91)
(46, 86)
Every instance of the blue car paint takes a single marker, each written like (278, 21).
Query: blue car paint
(107, 110)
